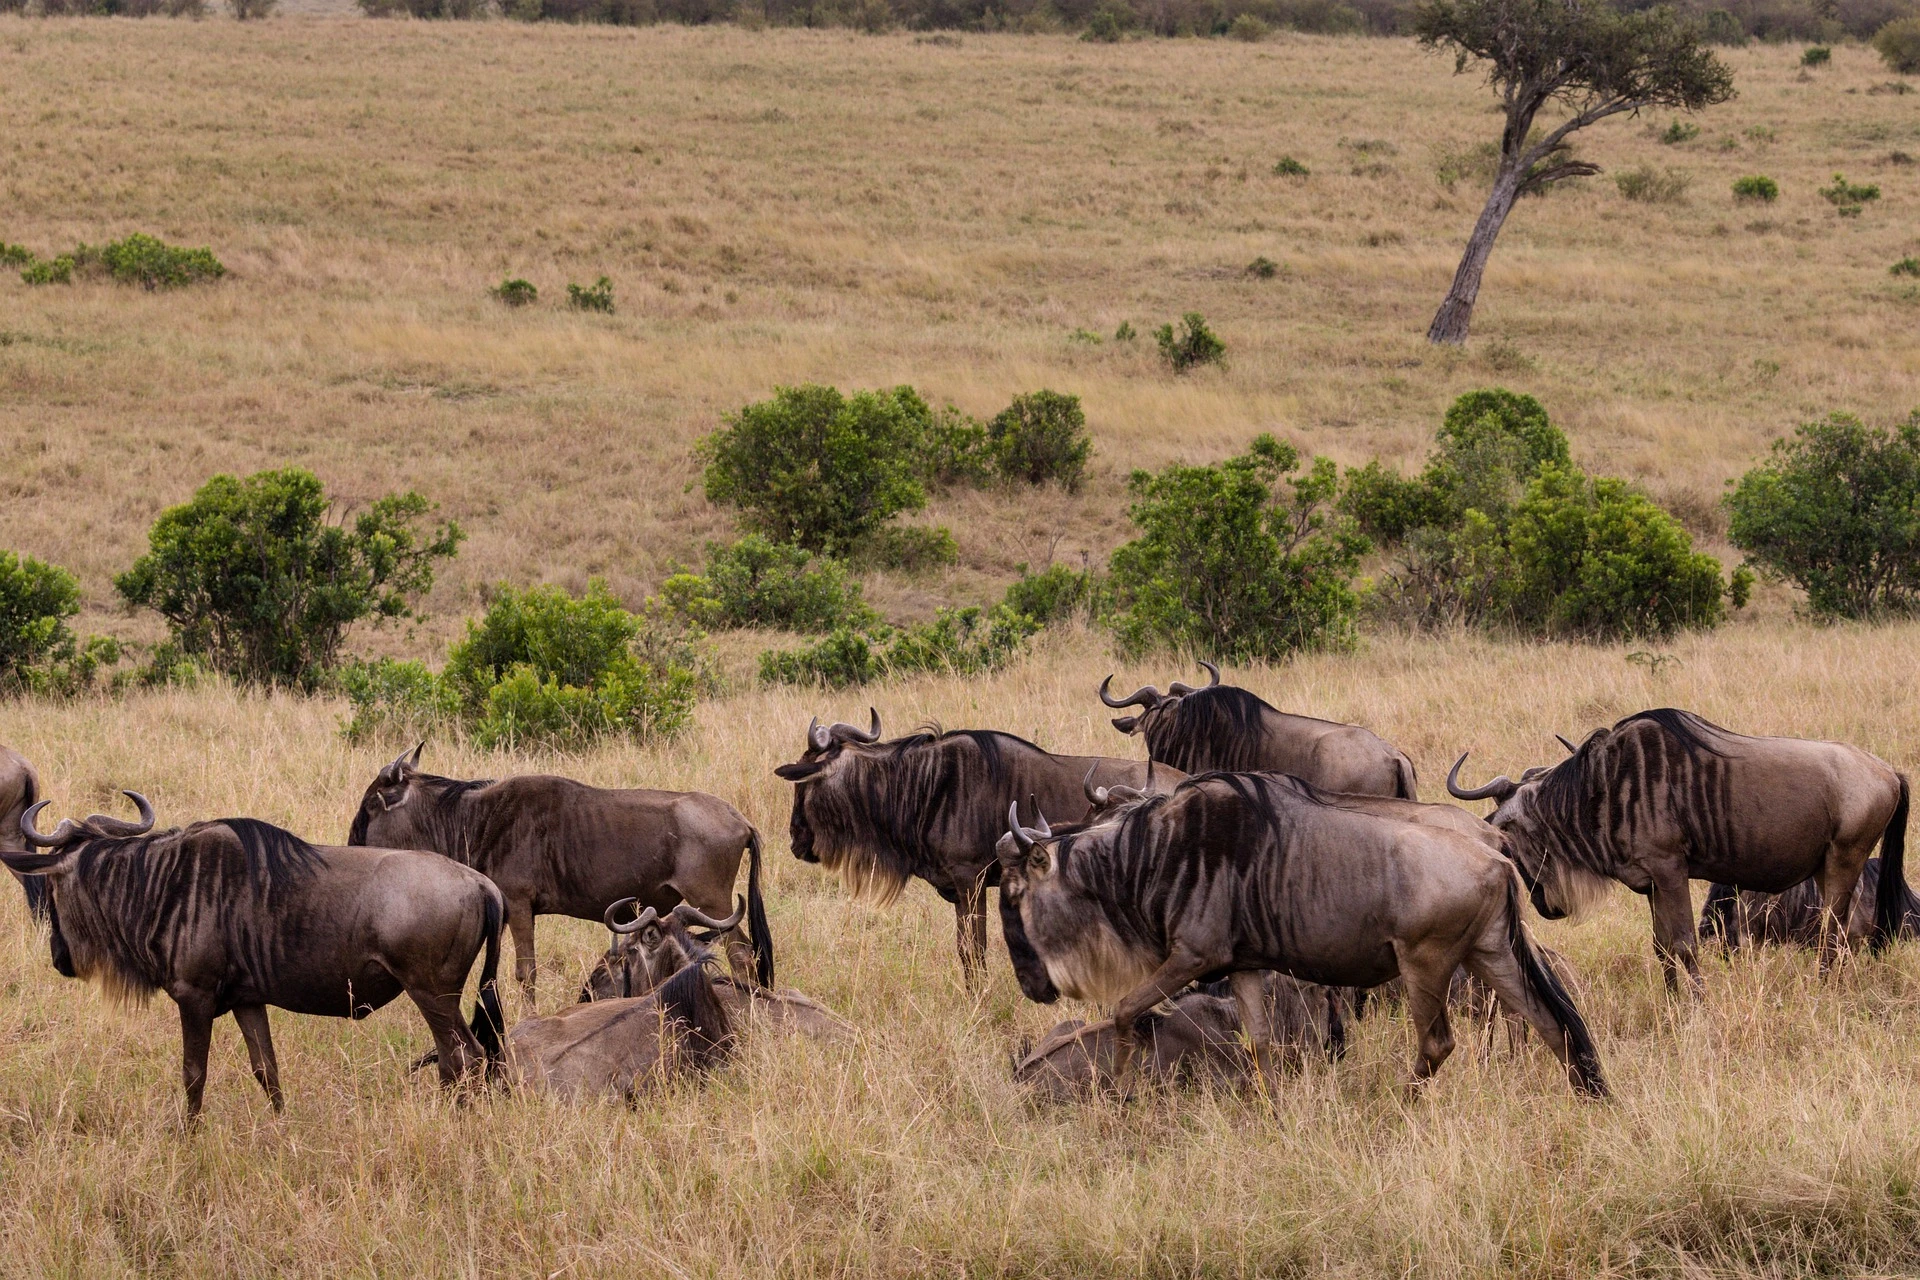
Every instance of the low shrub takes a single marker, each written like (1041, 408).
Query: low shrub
(1898, 44)
(1288, 167)
(1833, 512)
(596, 297)
(908, 549)
(1263, 268)
(1248, 27)
(1905, 267)
(1109, 23)
(1055, 594)
(153, 264)
(1652, 186)
(1193, 344)
(39, 652)
(1041, 438)
(1475, 164)
(49, 270)
(1849, 197)
(15, 255)
(954, 450)
(393, 699)
(757, 583)
(1756, 187)
(1679, 131)
(516, 292)
(1818, 55)
(1125, 332)
(968, 641)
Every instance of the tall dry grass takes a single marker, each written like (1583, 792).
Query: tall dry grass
(1773, 1127)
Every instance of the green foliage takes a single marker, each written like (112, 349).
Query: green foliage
(1109, 23)
(516, 292)
(1041, 438)
(1756, 187)
(757, 583)
(1908, 266)
(1125, 332)
(153, 264)
(392, 699)
(1848, 197)
(908, 548)
(1054, 595)
(1652, 186)
(49, 270)
(1288, 167)
(1263, 268)
(1193, 344)
(953, 450)
(39, 652)
(1836, 511)
(595, 297)
(1899, 45)
(1248, 27)
(251, 577)
(1818, 55)
(967, 641)
(15, 255)
(1679, 131)
(1228, 565)
(818, 469)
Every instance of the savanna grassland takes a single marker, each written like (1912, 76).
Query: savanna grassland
(776, 207)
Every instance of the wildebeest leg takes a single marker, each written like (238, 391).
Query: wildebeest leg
(1674, 940)
(1250, 993)
(253, 1026)
(970, 930)
(520, 925)
(458, 1050)
(1182, 966)
(196, 1036)
(1838, 878)
(1428, 978)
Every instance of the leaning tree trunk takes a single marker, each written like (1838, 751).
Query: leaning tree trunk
(1456, 313)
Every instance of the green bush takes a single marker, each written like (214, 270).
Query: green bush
(954, 450)
(1263, 268)
(39, 652)
(1228, 565)
(908, 548)
(50, 270)
(1679, 131)
(595, 297)
(1041, 437)
(1652, 186)
(1908, 266)
(1834, 512)
(1193, 344)
(1125, 332)
(251, 577)
(1849, 197)
(1109, 23)
(1756, 187)
(1288, 167)
(1899, 45)
(1818, 55)
(392, 699)
(516, 292)
(15, 255)
(756, 583)
(818, 469)
(967, 641)
(1248, 27)
(1054, 595)
(151, 263)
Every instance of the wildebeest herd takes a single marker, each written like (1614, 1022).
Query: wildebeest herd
(1232, 900)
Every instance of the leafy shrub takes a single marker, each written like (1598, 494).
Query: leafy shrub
(516, 292)
(967, 641)
(1756, 187)
(15, 255)
(1263, 268)
(1652, 186)
(251, 577)
(1899, 45)
(39, 652)
(1194, 343)
(1053, 595)
(49, 270)
(393, 699)
(1250, 28)
(1909, 266)
(1109, 23)
(1125, 332)
(1849, 197)
(153, 264)
(597, 297)
(1833, 511)
(954, 450)
(1041, 437)
(1227, 565)
(908, 548)
(818, 469)
(1288, 167)
(1679, 131)
(756, 583)
(1818, 55)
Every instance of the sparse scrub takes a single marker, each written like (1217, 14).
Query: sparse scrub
(1263, 268)
(597, 296)
(250, 10)
(516, 292)
(1818, 55)
(1649, 185)
(1898, 44)
(1109, 24)
(1191, 345)
(1679, 131)
(1288, 167)
(15, 255)
(49, 270)
(1848, 198)
(1756, 187)
(1908, 266)
(964, 642)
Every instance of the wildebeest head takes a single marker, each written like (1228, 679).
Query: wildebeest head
(1558, 887)
(825, 754)
(1155, 706)
(402, 803)
(650, 948)
(62, 844)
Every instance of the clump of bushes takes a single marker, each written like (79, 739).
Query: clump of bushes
(1756, 187)
(15, 255)
(595, 297)
(1898, 44)
(1109, 24)
(908, 548)
(39, 652)
(1263, 268)
(966, 641)
(139, 259)
(757, 583)
(1056, 594)
(1679, 131)
(1501, 530)
(1818, 55)
(49, 270)
(1192, 345)
(1652, 186)
(516, 292)
(1229, 563)
(1834, 512)
(1848, 198)
(1908, 266)
(253, 579)
(1288, 167)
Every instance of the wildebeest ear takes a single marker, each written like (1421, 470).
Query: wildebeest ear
(1126, 724)
(32, 864)
(799, 770)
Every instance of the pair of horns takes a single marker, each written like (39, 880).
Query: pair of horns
(820, 739)
(404, 761)
(1501, 787)
(686, 913)
(1118, 793)
(1025, 836)
(1148, 696)
(98, 824)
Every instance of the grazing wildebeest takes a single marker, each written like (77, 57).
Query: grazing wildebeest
(932, 805)
(1241, 872)
(560, 847)
(1737, 916)
(1221, 727)
(1197, 1038)
(1664, 797)
(19, 788)
(235, 915)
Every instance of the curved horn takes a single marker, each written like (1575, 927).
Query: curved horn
(634, 925)
(1145, 696)
(816, 736)
(61, 834)
(120, 826)
(1499, 789)
(1095, 795)
(1213, 673)
(1571, 749)
(413, 758)
(1019, 833)
(844, 732)
(687, 913)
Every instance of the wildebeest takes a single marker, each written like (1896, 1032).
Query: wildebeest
(1218, 726)
(1196, 1038)
(1235, 873)
(235, 915)
(560, 847)
(1738, 916)
(1664, 797)
(19, 789)
(932, 805)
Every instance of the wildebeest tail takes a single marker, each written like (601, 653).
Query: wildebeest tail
(488, 1020)
(1545, 984)
(1409, 785)
(1889, 904)
(1717, 916)
(39, 897)
(759, 936)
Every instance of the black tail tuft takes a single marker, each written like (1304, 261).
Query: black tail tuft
(758, 934)
(1889, 904)
(488, 1020)
(1583, 1061)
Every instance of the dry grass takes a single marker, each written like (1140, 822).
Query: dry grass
(783, 206)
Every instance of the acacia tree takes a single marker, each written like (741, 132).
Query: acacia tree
(1582, 55)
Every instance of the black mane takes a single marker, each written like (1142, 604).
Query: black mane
(445, 792)
(1210, 729)
(1694, 733)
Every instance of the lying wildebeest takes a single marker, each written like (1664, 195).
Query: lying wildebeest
(932, 805)
(560, 847)
(651, 948)
(1737, 916)
(1219, 726)
(1196, 1038)
(19, 788)
(1241, 872)
(235, 915)
(1664, 797)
